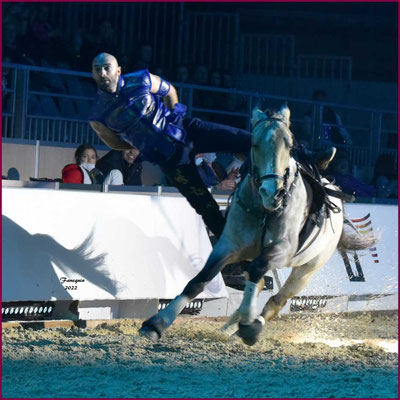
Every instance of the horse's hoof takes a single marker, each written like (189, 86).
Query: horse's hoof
(152, 328)
(149, 333)
(250, 333)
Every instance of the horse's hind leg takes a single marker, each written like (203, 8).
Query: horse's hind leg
(222, 254)
(297, 281)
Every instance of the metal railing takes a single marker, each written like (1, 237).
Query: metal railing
(19, 122)
(211, 39)
(324, 67)
(267, 54)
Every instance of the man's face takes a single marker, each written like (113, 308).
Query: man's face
(106, 73)
(130, 155)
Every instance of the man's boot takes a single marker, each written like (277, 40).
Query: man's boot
(324, 157)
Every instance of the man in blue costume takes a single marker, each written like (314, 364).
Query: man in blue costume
(141, 110)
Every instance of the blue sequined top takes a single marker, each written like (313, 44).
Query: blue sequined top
(139, 117)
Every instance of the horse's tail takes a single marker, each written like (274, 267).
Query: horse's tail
(351, 239)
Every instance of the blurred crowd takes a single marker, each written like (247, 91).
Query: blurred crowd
(30, 37)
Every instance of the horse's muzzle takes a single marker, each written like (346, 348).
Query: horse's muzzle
(272, 200)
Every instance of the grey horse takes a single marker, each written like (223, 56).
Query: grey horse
(268, 211)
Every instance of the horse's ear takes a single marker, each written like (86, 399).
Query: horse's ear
(256, 116)
(285, 113)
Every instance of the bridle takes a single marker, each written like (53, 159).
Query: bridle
(282, 196)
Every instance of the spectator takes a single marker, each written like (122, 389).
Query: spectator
(213, 174)
(105, 37)
(121, 167)
(217, 100)
(158, 70)
(201, 98)
(236, 163)
(85, 161)
(340, 170)
(182, 74)
(40, 33)
(10, 46)
(215, 79)
(385, 177)
(144, 57)
(333, 131)
(201, 75)
(232, 102)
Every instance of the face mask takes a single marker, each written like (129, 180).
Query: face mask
(209, 157)
(87, 166)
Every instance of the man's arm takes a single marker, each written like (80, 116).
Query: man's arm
(109, 137)
(171, 98)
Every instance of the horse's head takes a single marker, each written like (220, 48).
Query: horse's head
(270, 155)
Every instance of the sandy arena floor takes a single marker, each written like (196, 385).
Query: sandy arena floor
(317, 356)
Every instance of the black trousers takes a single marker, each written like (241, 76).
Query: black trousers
(207, 137)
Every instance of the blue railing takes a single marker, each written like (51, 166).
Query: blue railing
(33, 111)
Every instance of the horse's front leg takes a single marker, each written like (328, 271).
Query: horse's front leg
(232, 324)
(250, 326)
(222, 254)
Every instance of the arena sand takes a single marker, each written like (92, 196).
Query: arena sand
(295, 358)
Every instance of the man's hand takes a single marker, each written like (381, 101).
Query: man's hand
(233, 174)
(227, 184)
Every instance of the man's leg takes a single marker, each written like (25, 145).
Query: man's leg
(321, 158)
(209, 137)
(187, 180)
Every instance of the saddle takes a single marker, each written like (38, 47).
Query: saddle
(321, 205)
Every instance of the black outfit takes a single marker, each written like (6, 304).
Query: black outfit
(113, 160)
(205, 137)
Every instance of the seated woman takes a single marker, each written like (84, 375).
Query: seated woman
(121, 167)
(85, 161)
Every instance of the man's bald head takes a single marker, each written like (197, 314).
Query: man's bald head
(106, 72)
(104, 57)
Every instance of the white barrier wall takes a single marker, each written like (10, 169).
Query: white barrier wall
(64, 244)
(364, 280)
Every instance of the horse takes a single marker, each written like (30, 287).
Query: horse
(269, 209)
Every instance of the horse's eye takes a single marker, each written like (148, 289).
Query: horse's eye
(254, 145)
